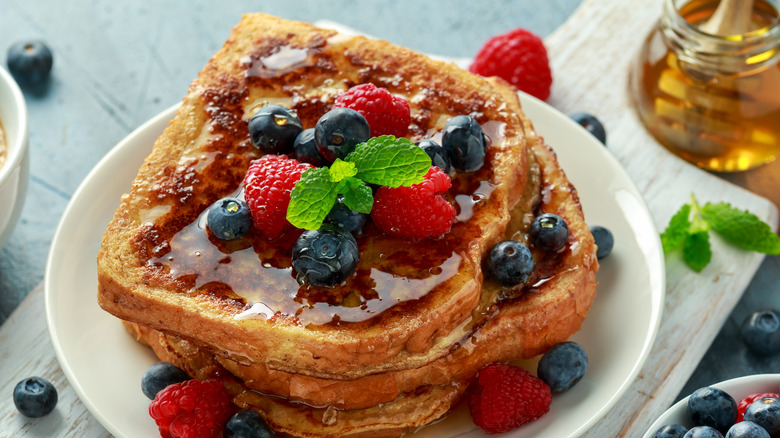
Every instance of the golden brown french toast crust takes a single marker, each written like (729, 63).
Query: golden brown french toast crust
(391, 308)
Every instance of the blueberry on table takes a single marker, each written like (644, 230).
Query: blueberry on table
(273, 129)
(305, 149)
(158, 376)
(703, 432)
(549, 232)
(604, 240)
(591, 124)
(247, 424)
(30, 62)
(439, 156)
(747, 429)
(761, 332)
(338, 131)
(712, 407)
(671, 431)
(562, 366)
(35, 397)
(766, 413)
(325, 257)
(510, 262)
(229, 218)
(464, 141)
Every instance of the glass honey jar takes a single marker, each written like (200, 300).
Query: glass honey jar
(713, 99)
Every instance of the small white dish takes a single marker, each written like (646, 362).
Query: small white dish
(101, 360)
(738, 388)
(15, 168)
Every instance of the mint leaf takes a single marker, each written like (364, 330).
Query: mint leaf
(342, 169)
(741, 228)
(675, 233)
(390, 161)
(696, 250)
(312, 198)
(357, 195)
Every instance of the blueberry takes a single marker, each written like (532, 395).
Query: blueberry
(766, 413)
(229, 218)
(273, 129)
(604, 240)
(549, 232)
(703, 432)
(325, 257)
(464, 141)
(591, 124)
(342, 216)
(158, 376)
(761, 332)
(712, 407)
(562, 366)
(30, 62)
(247, 424)
(306, 149)
(339, 131)
(747, 429)
(510, 262)
(35, 397)
(671, 431)
(439, 157)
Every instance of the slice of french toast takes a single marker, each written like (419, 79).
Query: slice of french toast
(416, 320)
(157, 266)
(517, 325)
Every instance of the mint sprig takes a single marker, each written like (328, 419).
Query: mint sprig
(383, 160)
(689, 229)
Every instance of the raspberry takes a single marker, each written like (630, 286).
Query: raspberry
(504, 396)
(519, 57)
(191, 409)
(745, 402)
(267, 187)
(418, 211)
(386, 114)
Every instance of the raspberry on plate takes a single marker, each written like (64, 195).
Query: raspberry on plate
(418, 211)
(386, 114)
(503, 397)
(267, 187)
(191, 409)
(520, 58)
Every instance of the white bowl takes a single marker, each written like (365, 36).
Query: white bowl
(738, 388)
(15, 170)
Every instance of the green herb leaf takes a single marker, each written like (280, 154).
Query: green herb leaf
(675, 233)
(312, 198)
(741, 228)
(357, 195)
(342, 169)
(696, 250)
(390, 161)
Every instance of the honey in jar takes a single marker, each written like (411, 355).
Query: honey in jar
(712, 99)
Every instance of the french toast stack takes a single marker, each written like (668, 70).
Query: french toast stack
(397, 344)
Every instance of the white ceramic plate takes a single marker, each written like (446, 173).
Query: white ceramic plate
(738, 388)
(104, 365)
